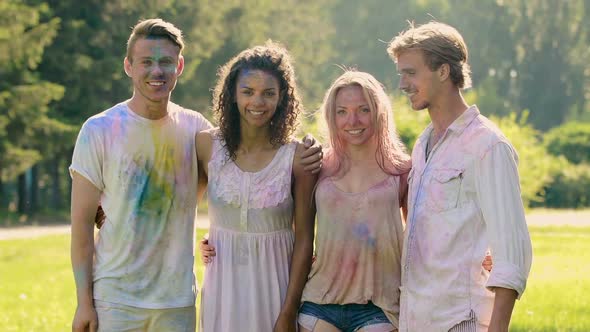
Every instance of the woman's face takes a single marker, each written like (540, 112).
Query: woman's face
(257, 97)
(354, 118)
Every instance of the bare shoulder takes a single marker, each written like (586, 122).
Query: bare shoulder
(204, 143)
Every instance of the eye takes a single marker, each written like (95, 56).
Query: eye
(247, 92)
(146, 62)
(366, 110)
(340, 112)
(269, 93)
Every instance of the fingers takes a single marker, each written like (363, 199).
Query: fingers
(308, 140)
(314, 168)
(487, 263)
(311, 152)
(207, 251)
(100, 217)
(207, 256)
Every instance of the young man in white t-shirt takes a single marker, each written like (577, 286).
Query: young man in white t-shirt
(137, 159)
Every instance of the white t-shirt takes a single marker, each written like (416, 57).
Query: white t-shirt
(147, 172)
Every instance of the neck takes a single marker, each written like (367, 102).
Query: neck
(447, 109)
(360, 154)
(253, 139)
(148, 109)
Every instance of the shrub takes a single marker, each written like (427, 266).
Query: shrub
(535, 164)
(570, 187)
(571, 140)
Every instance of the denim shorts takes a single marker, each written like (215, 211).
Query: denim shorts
(346, 317)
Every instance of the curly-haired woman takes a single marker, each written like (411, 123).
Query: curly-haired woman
(261, 214)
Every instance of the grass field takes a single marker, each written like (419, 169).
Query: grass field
(37, 288)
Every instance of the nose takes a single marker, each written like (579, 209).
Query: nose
(258, 100)
(157, 70)
(402, 85)
(353, 118)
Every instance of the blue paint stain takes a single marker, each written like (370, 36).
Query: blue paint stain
(363, 233)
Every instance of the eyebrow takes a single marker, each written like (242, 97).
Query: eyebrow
(359, 106)
(153, 58)
(249, 88)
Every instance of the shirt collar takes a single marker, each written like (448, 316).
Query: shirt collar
(464, 119)
(457, 126)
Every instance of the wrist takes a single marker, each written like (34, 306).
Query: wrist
(85, 300)
(288, 312)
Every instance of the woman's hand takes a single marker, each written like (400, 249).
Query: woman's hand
(207, 250)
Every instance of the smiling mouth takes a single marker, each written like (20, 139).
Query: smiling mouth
(160, 83)
(355, 132)
(256, 112)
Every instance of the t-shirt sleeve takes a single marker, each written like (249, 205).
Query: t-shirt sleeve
(202, 123)
(87, 159)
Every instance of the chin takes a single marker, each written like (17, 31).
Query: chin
(419, 107)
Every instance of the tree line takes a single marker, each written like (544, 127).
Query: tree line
(61, 62)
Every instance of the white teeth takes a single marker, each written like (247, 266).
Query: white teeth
(355, 132)
(256, 113)
(156, 83)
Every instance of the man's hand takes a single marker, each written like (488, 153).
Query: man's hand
(100, 217)
(207, 250)
(85, 319)
(312, 157)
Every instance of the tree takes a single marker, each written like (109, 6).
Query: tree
(24, 97)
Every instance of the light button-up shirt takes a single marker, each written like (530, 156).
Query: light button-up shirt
(464, 200)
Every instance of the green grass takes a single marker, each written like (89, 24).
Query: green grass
(37, 288)
(558, 291)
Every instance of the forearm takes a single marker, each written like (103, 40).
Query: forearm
(503, 306)
(300, 266)
(82, 253)
(85, 199)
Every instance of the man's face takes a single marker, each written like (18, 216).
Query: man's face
(154, 67)
(417, 81)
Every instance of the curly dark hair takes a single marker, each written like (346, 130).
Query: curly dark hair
(271, 58)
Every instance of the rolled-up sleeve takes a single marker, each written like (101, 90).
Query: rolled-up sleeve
(498, 190)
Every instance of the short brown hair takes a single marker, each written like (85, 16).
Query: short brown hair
(440, 43)
(155, 28)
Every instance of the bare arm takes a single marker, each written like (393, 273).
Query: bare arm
(502, 312)
(403, 195)
(203, 144)
(85, 197)
(302, 252)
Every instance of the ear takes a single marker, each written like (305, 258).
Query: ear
(444, 71)
(127, 66)
(180, 67)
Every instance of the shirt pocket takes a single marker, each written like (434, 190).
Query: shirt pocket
(445, 189)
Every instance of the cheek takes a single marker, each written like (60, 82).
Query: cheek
(340, 122)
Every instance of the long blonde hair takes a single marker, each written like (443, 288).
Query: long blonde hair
(391, 155)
